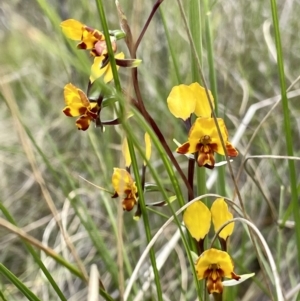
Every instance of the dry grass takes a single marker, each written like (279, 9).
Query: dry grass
(36, 63)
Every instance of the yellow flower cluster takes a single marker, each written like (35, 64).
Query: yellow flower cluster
(212, 264)
(122, 181)
(77, 102)
(203, 136)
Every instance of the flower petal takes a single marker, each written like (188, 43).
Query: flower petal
(207, 127)
(72, 29)
(197, 219)
(75, 100)
(108, 76)
(128, 203)
(202, 108)
(214, 257)
(234, 282)
(206, 159)
(231, 151)
(125, 152)
(122, 181)
(128, 63)
(147, 147)
(89, 38)
(181, 101)
(221, 215)
(97, 70)
(83, 122)
(184, 149)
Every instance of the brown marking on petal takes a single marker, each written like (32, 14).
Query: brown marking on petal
(93, 53)
(95, 109)
(98, 35)
(183, 149)
(67, 112)
(81, 45)
(206, 157)
(83, 122)
(82, 111)
(92, 114)
(214, 147)
(104, 62)
(231, 151)
(88, 28)
(115, 195)
(128, 203)
(124, 62)
(214, 279)
(235, 276)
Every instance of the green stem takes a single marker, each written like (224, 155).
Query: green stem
(174, 181)
(22, 287)
(143, 208)
(35, 256)
(196, 33)
(217, 297)
(213, 86)
(171, 48)
(108, 45)
(287, 126)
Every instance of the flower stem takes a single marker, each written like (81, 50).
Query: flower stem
(143, 208)
(217, 297)
(154, 9)
(213, 86)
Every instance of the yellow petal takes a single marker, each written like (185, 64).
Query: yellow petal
(97, 71)
(75, 100)
(147, 147)
(122, 181)
(207, 127)
(197, 219)
(125, 152)
(108, 76)
(202, 108)
(214, 257)
(89, 38)
(72, 29)
(220, 215)
(181, 101)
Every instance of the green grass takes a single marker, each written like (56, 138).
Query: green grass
(248, 52)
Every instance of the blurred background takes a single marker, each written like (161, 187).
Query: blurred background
(38, 140)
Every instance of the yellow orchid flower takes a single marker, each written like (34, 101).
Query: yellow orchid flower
(203, 138)
(213, 265)
(184, 100)
(125, 187)
(102, 67)
(89, 37)
(220, 215)
(98, 70)
(77, 104)
(197, 219)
